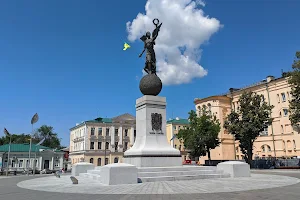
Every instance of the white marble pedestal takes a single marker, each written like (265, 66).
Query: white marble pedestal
(151, 148)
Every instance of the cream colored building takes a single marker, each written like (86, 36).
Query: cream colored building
(279, 140)
(173, 127)
(103, 140)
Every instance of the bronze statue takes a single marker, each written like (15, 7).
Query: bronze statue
(150, 65)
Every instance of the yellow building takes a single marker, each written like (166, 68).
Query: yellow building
(279, 140)
(103, 140)
(173, 127)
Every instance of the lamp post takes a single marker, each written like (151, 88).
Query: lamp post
(36, 146)
(8, 135)
(34, 119)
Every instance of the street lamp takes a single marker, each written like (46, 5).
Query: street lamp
(34, 119)
(7, 135)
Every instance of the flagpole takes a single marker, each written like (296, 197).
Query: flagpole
(8, 155)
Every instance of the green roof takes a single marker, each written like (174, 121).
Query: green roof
(101, 120)
(178, 121)
(22, 148)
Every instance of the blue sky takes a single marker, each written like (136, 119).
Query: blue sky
(64, 59)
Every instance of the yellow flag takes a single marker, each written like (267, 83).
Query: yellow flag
(126, 46)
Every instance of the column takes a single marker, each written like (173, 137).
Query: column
(41, 163)
(120, 132)
(52, 163)
(131, 136)
(112, 141)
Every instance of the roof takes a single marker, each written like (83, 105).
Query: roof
(123, 117)
(178, 121)
(23, 148)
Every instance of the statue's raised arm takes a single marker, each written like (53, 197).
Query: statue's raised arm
(157, 29)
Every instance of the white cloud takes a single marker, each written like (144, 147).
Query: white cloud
(184, 29)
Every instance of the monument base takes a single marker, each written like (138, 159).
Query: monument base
(151, 148)
(154, 161)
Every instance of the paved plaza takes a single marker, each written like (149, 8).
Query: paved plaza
(263, 185)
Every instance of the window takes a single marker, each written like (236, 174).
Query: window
(116, 132)
(263, 148)
(20, 163)
(13, 162)
(56, 163)
(92, 131)
(27, 163)
(106, 161)
(126, 132)
(283, 97)
(99, 162)
(116, 146)
(99, 145)
(283, 145)
(294, 144)
(92, 160)
(269, 148)
(106, 145)
(282, 130)
(285, 111)
(125, 146)
(209, 106)
(92, 145)
(278, 98)
(100, 131)
(107, 131)
(116, 160)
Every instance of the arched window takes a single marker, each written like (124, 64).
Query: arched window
(209, 106)
(116, 160)
(99, 162)
(289, 145)
(269, 148)
(263, 148)
(92, 160)
(294, 144)
(283, 145)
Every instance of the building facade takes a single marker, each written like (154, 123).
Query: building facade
(103, 140)
(279, 140)
(42, 157)
(173, 127)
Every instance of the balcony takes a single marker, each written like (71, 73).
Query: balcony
(126, 138)
(93, 137)
(78, 139)
(107, 138)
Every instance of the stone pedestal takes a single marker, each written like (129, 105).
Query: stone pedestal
(118, 173)
(81, 167)
(151, 148)
(235, 168)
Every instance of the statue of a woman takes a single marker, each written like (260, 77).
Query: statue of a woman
(150, 65)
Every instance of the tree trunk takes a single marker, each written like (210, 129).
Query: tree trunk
(209, 159)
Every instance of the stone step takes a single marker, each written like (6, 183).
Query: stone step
(183, 168)
(183, 177)
(91, 176)
(94, 171)
(177, 173)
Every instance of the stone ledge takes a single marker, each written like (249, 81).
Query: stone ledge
(235, 168)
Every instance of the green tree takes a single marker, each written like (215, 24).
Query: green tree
(202, 133)
(15, 139)
(246, 125)
(51, 138)
(294, 81)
